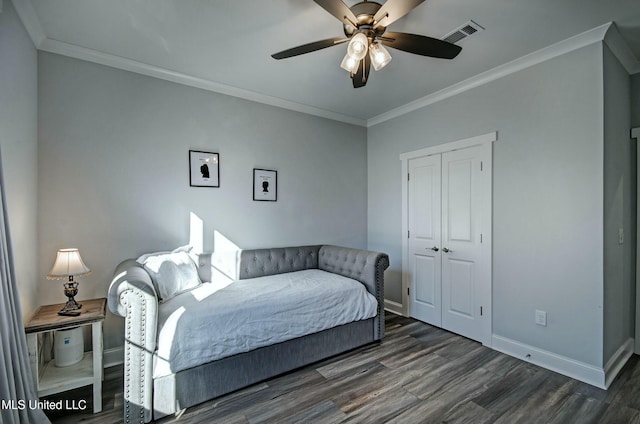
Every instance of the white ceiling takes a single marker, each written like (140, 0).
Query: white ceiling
(226, 44)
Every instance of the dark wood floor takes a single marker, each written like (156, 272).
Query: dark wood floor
(418, 374)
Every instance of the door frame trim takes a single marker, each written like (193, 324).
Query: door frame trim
(487, 141)
(450, 146)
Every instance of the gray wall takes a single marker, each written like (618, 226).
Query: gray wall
(18, 142)
(113, 181)
(547, 196)
(619, 207)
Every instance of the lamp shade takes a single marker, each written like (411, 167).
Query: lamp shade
(350, 64)
(380, 56)
(68, 264)
(358, 46)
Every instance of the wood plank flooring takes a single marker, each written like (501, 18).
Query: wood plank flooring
(418, 374)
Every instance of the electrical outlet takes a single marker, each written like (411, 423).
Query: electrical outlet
(541, 318)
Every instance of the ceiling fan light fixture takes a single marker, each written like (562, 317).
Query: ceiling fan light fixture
(365, 27)
(350, 63)
(380, 56)
(358, 46)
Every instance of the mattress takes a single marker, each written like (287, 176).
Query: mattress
(216, 320)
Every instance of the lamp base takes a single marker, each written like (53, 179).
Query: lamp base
(70, 290)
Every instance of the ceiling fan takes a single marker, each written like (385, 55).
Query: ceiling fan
(365, 28)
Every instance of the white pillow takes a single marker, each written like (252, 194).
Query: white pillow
(171, 272)
(186, 248)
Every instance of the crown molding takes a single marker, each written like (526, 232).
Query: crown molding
(77, 52)
(576, 42)
(30, 20)
(621, 50)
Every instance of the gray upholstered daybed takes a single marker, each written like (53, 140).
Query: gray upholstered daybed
(167, 348)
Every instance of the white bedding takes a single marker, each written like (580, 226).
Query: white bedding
(214, 321)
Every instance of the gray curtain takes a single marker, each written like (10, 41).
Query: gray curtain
(16, 384)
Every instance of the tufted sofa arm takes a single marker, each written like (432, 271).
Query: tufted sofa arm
(362, 265)
(132, 296)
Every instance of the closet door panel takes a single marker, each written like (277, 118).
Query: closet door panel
(424, 224)
(461, 171)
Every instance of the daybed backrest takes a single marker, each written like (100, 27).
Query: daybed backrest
(262, 262)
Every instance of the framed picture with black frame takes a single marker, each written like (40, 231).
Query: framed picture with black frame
(204, 169)
(265, 185)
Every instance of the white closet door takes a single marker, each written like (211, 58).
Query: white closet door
(462, 282)
(446, 205)
(424, 203)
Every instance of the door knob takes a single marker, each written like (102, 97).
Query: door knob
(435, 249)
(445, 250)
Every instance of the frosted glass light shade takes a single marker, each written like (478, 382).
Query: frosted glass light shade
(358, 46)
(350, 63)
(380, 56)
(68, 264)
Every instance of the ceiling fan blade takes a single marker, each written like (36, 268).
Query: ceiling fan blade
(393, 10)
(338, 9)
(360, 78)
(308, 48)
(420, 44)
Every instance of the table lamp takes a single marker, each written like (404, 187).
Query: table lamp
(69, 264)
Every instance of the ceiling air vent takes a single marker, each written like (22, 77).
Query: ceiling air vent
(462, 32)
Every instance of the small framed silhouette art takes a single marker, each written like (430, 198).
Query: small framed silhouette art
(265, 185)
(204, 169)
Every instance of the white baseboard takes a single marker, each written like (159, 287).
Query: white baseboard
(393, 307)
(617, 361)
(113, 357)
(590, 374)
(587, 373)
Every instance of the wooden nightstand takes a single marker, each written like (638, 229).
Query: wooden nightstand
(50, 379)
